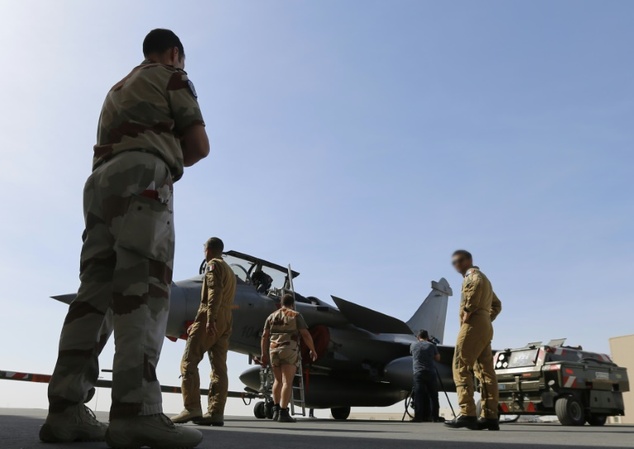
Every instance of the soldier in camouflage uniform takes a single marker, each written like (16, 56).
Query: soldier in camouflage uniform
(280, 348)
(150, 127)
(479, 306)
(210, 334)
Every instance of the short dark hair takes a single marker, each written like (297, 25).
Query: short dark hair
(160, 40)
(462, 253)
(288, 300)
(423, 334)
(215, 245)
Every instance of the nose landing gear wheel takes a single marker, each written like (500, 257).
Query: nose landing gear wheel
(340, 413)
(259, 410)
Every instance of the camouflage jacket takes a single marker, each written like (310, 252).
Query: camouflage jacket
(148, 110)
(284, 326)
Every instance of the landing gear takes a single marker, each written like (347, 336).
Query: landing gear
(263, 410)
(268, 408)
(570, 411)
(260, 410)
(340, 413)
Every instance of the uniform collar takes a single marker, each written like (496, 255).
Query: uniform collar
(471, 270)
(148, 62)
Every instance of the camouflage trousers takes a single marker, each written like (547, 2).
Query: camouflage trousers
(473, 355)
(216, 346)
(285, 354)
(126, 273)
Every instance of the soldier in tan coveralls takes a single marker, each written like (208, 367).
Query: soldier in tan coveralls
(150, 127)
(210, 334)
(280, 348)
(479, 306)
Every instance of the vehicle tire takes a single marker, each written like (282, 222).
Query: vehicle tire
(596, 420)
(259, 410)
(570, 411)
(340, 413)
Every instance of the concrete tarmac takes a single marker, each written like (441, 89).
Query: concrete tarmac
(19, 430)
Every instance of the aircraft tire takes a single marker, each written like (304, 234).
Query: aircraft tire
(340, 413)
(259, 410)
(570, 411)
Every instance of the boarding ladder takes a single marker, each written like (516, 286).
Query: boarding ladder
(298, 396)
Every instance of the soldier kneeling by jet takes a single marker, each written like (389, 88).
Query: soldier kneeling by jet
(210, 333)
(280, 348)
(479, 306)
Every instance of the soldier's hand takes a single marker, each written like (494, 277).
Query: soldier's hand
(313, 355)
(465, 317)
(211, 328)
(264, 360)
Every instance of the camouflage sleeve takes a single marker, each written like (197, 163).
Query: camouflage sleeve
(472, 293)
(214, 291)
(496, 307)
(301, 324)
(183, 102)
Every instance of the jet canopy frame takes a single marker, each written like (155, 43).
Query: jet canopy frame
(268, 278)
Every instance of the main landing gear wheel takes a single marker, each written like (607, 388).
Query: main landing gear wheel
(260, 410)
(570, 411)
(340, 413)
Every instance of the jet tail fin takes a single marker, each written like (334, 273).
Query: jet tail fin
(432, 313)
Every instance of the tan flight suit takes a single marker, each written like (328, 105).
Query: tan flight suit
(473, 352)
(216, 303)
(284, 326)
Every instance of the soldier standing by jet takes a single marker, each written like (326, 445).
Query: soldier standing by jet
(210, 333)
(280, 347)
(479, 306)
(150, 127)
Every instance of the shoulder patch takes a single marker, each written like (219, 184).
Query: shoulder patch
(192, 89)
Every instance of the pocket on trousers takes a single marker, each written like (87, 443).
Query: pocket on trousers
(148, 229)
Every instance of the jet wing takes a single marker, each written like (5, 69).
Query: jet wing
(369, 319)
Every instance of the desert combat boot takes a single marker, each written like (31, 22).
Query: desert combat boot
(155, 431)
(211, 420)
(285, 416)
(186, 416)
(76, 423)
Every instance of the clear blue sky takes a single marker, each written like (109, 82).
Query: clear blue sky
(360, 141)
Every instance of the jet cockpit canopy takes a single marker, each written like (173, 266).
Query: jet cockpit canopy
(266, 277)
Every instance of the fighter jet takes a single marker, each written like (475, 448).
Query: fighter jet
(363, 355)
